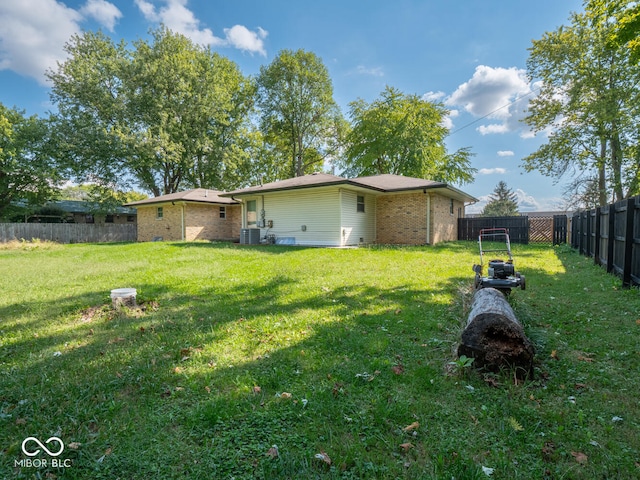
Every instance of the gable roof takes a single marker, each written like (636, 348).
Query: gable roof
(385, 183)
(199, 195)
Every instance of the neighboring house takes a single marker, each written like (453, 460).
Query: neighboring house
(198, 214)
(80, 211)
(327, 210)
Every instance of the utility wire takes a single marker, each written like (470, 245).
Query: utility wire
(493, 111)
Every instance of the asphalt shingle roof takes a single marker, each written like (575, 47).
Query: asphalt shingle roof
(202, 195)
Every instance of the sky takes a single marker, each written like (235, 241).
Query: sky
(468, 54)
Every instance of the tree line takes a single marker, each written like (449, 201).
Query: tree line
(164, 115)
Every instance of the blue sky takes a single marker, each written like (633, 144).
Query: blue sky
(469, 54)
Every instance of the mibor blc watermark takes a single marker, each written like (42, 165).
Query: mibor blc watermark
(43, 455)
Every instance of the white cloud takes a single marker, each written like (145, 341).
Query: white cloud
(492, 171)
(33, 34)
(244, 39)
(505, 153)
(371, 71)
(178, 18)
(526, 202)
(103, 12)
(434, 96)
(497, 94)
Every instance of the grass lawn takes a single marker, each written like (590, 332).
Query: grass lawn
(281, 362)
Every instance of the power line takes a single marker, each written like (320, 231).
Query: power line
(493, 111)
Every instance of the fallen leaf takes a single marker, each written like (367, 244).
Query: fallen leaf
(177, 370)
(118, 374)
(285, 395)
(411, 428)
(74, 445)
(406, 446)
(548, 450)
(256, 389)
(323, 456)
(487, 471)
(166, 393)
(208, 389)
(554, 354)
(398, 311)
(21, 421)
(179, 389)
(117, 340)
(108, 451)
(580, 457)
(185, 352)
(515, 424)
(585, 359)
(491, 381)
(273, 452)
(398, 369)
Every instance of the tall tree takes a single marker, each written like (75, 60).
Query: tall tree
(589, 101)
(502, 203)
(166, 114)
(403, 135)
(28, 174)
(299, 118)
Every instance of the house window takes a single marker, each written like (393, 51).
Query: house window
(89, 219)
(223, 212)
(131, 218)
(451, 207)
(159, 213)
(252, 213)
(108, 219)
(360, 203)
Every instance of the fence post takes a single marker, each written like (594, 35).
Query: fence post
(628, 243)
(596, 238)
(611, 239)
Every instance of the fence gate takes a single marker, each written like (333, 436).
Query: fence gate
(560, 226)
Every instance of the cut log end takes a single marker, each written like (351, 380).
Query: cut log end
(493, 335)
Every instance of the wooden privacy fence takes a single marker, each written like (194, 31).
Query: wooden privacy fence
(518, 227)
(522, 229)
(611, 236)
(68, 232)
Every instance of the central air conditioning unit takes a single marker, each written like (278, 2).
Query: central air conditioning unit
(250, 236)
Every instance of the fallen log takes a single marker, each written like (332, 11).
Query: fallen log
(494, 337)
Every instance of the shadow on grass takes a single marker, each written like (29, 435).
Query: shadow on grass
(203, 385)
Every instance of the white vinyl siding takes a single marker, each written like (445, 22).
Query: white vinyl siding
(317, 209)
(357, 227)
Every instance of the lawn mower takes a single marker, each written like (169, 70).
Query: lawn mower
(501, 273)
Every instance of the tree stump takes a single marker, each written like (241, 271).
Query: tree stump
(493, 336)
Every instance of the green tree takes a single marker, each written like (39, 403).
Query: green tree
(403, 135)
(589, 100)
(28, 173)
(299, 119)
(166, 114)
(502, 203)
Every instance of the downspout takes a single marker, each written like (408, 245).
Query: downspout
(183, 226)
(428, 218)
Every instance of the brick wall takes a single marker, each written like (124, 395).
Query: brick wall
(201, 222)
(169, 228)
(444, 224)
(402, 219)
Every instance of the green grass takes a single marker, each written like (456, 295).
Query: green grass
(236, 349)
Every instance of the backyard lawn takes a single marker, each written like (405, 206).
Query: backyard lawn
(281, 362)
